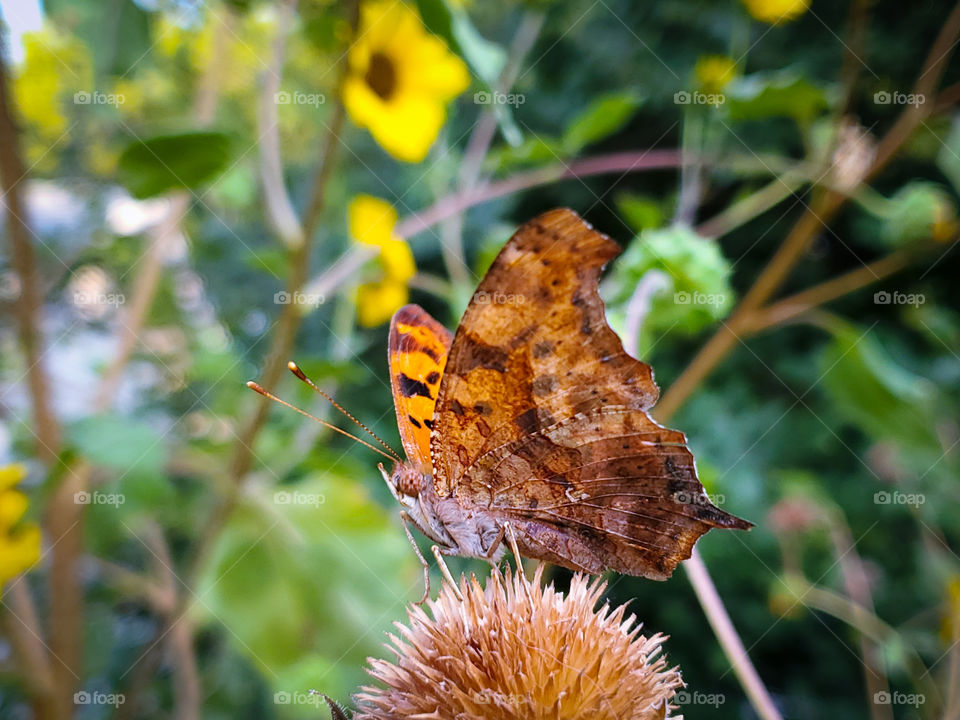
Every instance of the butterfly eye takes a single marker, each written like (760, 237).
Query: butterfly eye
(407, 480)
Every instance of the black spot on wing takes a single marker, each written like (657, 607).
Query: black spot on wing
(433, 378)
(414, 421)
(410, 387)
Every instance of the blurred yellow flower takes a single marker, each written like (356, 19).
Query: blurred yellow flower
(371, 222)
(401, 79)
(19, 542)
(714, 72)
(776, 11)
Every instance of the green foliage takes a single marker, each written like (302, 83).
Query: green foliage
(165, 162)
(918, 211)
(695, 290)
(783, 93)
(311, 598)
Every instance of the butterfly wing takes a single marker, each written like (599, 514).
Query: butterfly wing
(542, 419)
(417, 353)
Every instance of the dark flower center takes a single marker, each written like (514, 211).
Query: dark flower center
(381, 75)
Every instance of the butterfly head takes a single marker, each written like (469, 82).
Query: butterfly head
(405, 482)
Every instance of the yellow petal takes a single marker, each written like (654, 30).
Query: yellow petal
(776, 11)
(377, 302)
(19, 552)
(397, 260)
(409, 127)
(10, 475)
(371, 220)
(13, 505)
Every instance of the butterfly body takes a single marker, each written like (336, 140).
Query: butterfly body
(532, 415)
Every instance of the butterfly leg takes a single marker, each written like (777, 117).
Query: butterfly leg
(438, 553)
(494, 546)
(406, 519)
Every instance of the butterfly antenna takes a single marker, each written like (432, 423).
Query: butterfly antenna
(257, 388)
(295, 369)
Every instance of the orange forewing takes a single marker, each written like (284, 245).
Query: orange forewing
(418, 348)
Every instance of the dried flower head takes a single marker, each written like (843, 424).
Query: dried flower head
(518, 650)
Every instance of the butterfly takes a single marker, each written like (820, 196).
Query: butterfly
(533, 418)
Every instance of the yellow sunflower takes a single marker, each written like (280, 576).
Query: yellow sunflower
(776, 11)
(401, 79)
(19, 541)
(371, 222)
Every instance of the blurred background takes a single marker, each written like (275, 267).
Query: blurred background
(197, 192)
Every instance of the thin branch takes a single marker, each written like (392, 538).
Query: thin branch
(729, 640)
(631, 161)
(22, 629)
(279, 208)
(791, 307)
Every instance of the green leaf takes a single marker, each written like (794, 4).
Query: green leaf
(784, 93)
(601, 118)
(871, 390)
(165, 162)
(640, 212)
(919, 211)
(308, 576)
(119, 443)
